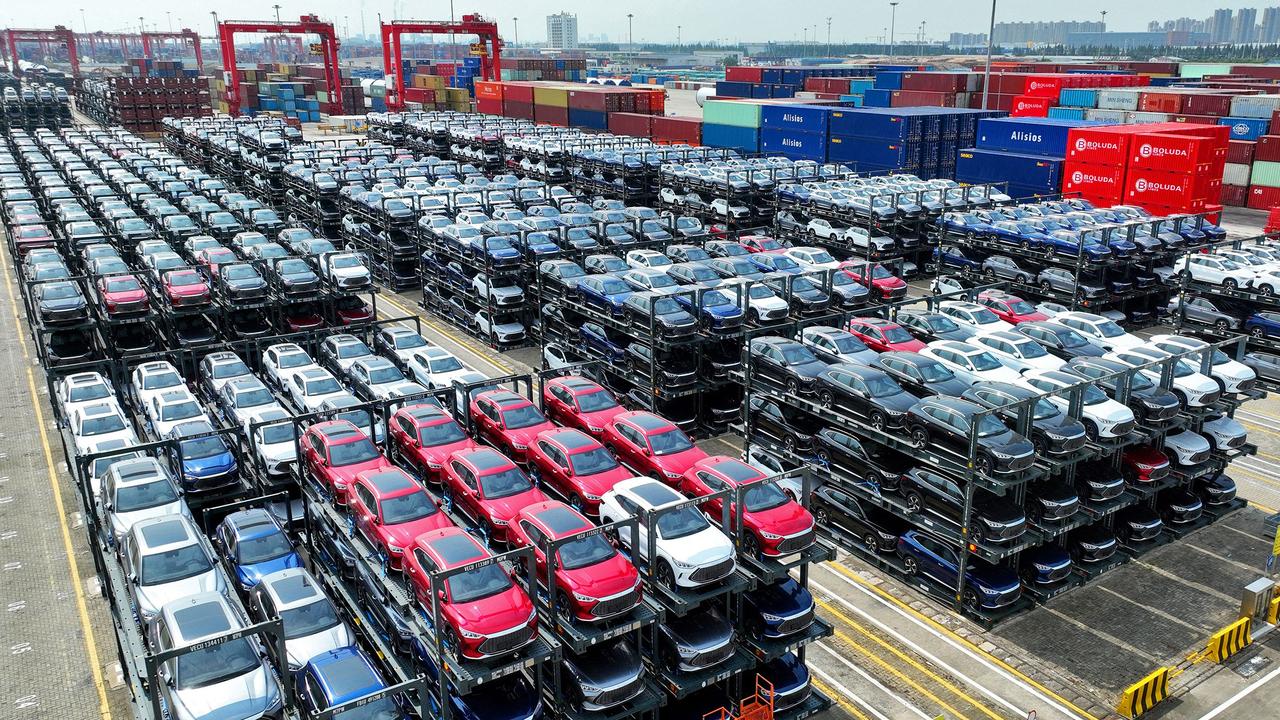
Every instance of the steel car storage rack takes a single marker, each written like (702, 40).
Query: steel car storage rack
(389, 240)
(1251, 310)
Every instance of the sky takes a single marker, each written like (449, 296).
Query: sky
(729, 21)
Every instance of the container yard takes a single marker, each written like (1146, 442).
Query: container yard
(422, 372)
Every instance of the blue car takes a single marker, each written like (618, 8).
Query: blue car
(342, 676)
(602, 341)
(1120, 247)
(1046, 565)
(953, 256)
(790, 680)
(966, 224)
(717, 310)
(987, 586)
(535, 244)
(1263, 324)
(498, 248)
(1067, 242)
(206, 462)
(1019, 234)
(508, 698)
(778, 610)
(606, 292)
(797, 194)
(254, 545)
(774, 262)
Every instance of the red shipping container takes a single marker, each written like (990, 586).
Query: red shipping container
(1274, 128)
(524, 111)
(921, 98)
(551, 115)
(517, 92)
(1241, 152)
(489, 106)
(1155, 187)
(1267, 148)
(633, 124)
(1098, 146)
(1105, 181)
(1174, 153)
(1049, 86)
(489, 89)
(1030, 106)
(739, 73)
(678, 129)
(1263, 198)
(1235, 195)
(1215, 105)
(1165, 102)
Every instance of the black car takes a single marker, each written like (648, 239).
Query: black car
(786, 362)
(241, 281)
(671, 370)
(1149, 402)
(921, 375)
(930, 326)
(1219, 489)
(725, 248)
(193, 330)
(294, 277)
(133, 339)
(1178, 506)
(867, 392)
(1052, 431)
(878, 466)
(60, 302)
(949, 422)
(877, 528)
(1097, 481)
(734, 267)
(1059, 340)
(1051, 501)
(804, 297)
(70, 346)
(993, 519)
(794, 429)
(1092, 544)
(560, 275)
(1138, 523)
(245, 324)
(657, 309)
(692, 273)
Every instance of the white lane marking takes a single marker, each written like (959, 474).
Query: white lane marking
(857, 700)
(866, 676)
(1240, 696)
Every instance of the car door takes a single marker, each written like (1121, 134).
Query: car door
(468, 495)
(559, 405)
(768, 363)
(633, 447)
(553, 465)
(365, 512)
(488, 419)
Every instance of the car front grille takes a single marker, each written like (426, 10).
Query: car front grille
(796, 543)
(1210, 397)
(1124, 428)
(1056, 574)
(712, 572)
(1159, 473)
(612, 606)
(1246, 385)
(1072, 444)
(1197, 458)
(1005, 598)
(130, 307)
(795, 624)
(615, 696)
(791, 699)
(508, 642)
(1236, 441)
(707, 658)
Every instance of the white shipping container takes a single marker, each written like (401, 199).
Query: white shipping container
(1141, 118)
(1236, 174)
(1118, 99)
(1255, 106)
(1111, 116)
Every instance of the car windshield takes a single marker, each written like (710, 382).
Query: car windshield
(764, 496)
(521, 417)
(1109, 329)
(141, 497)
(797, 354)
(123, 284)
(680, 523)
(84, 393)
(343, 262)
(185, 278)
(596, 401)
(180, 410)
(983, 316)
(585, 552)
(1022, 307)
(385, 375)
(407, 508)
(240, 272)
(504, 483)
(173, 565)
(308, 619)
(714, 298)
(821, 257)
(670, 442)
(408, 341)
(212, 665)
(279, 433)
(442, 434)
(934, 372)
(1044, 410)
(294, 359)
(1030, 349)
(881, 385)
(60, 292)
(478, 584)
(323, 386)
(879, 273)
(1092, 395)
(896, 334)
(235, 368)
(983, 361)
(264, 548)
(591, 462)
(102, 424)
(352, 453)
(989, 426)
(201, 448)
(255, 397)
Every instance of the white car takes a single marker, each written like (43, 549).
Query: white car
(822, 228)
(243, 398)
(812, 258)
(1102, 416)
(219, 368)
(834, 345)
(1224, 433)
(1099, 330)
(282, 361)
(138, 490)
(727, 209)
(170, 408)
(273, 442)
(339, 352)
(503, 329)
(310, 388)
(165, 559)
(438, 368)
(1233, 375)
(371, 378)
(557, 357)
(80, 389)
(970, 363)
(647, 259)
(400, 344)
(346, 270)
(504, 290)
(312, 624)
(690, 551)
(763, 304)
(1018, 351)
(152, 378)
(1218, 270)
(396, 392)
(973, 315)
(1193, 388)
(98, 423)
(1187, 448)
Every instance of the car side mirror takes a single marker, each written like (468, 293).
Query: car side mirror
(441, 594)
(648, 452)
(133, 578)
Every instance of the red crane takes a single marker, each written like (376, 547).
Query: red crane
(306, 25)
(490, 46)
(184, 36)
(95, 41)
(59, 36)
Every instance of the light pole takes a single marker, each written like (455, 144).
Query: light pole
(986, 72)
(893, 19)
(630, 42)
(922, 38)
(515, 25)
(828, 37)
(277, 9)
(142, 24)
(1104, 21)
(678, 35)
(169, 19)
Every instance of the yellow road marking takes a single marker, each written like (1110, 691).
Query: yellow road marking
(875, 658)
(943, 628)
(82, 608)
(844, 704)
(1262, 507)
(1256, 476)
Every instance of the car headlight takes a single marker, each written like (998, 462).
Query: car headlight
(589, 496)
(497, 520)
(395, 550)
(590, 689)
(685, 565)
(582, 598)
(988, 591)
(518, 446)
(594, 429)
(1001, 455)
(673, 476)
(470, 635)
(769, 535)
(771, 618)
(686, 650)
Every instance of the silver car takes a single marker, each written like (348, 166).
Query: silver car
(311, 623)
(167, 558)
(137, 490)
(216, 682)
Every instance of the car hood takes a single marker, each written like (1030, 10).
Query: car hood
(517, 701)
(681, 461)
(809, 370)
(701, 548)
(212, 465)
(251, 575)
(1188, 441)
(403, 534)
(784, 598)
(954, 387)
(613, 576)
(787, 519)
(506, 610)
(995, 577)
(507, 507)
(153, 597)
(608, 666)
(699, 630)
(303, 649)
(243, 696)
(122, 521)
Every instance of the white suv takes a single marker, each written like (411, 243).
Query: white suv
(1018, 351)
(282, 361)
(1218, 270)
(970, 363)
(1192, 388)
(80, 389)
(171, 408)
(152, 378)
(167, 558)
(1232, 375)
(973, 315)
(1098, 330)
(1102, 416)
(100, 422)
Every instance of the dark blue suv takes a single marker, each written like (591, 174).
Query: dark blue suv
(341, 676)
(987, 586)
(778, 610)
(252, 544)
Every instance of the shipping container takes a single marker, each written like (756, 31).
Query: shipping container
(1172, 152)
(1255, 106)
(1170, 189)
(1235, 195)
(793, 144)
(1030, 171)
(1118, 99)
(678, 129)
(1094, 181)
(1098, 146)
(1034, 136)
(633, 124)
(745, 139)
(1244, 151)
(867, 151)
(731, 112)
(1236, 174)
(898, 124)
(1265, 173)
(1078, 97)
(1262, 197)
(1246, 128)
(551, 114)
(802, 118)
(590, 119)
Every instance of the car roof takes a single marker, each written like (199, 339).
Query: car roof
(345, 674)
(558, 519)
(291, 587)
(390, 480)
(160, 533)
(453, 547)
(650, 492)
(571, 439)
(199, 616)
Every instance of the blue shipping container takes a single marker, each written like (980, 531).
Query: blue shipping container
(794, 144)
(1067, 113)
(989, 166)
(872, 151)
(1078, 97)
(888, 80)
(730, 136)
(1243, 128)
(726, 88)
(874, 98)
(771, 75)
(588, 119)
(894, 124)
(1034, 136)
(804, 118)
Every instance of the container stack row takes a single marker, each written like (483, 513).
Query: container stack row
(441, 84)
(139, 104)
(1026, 152)
(571, 69)
(566, 104)
(291, 90)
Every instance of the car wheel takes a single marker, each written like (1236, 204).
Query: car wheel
(976, 535)
(910, 566)
(1041, 447)
(877, 421)
(753, 316)
(449, 638)
(821, 515)
(919, 437)
(824, 457)
(915, 502)
(1230, 284)
(1046, 286)
(982, 463)
(826, 399)
(870, 541)
(1256, 332)
(751, 545)
(577, 503)
(989, 273)
(1266, 290)
(1091, 430)
(1222, 326)
(970, 599)
(789, 442)
(793, 386)
(666, 576)
(1025, 245)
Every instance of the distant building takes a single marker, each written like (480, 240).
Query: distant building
(562, 31)
(1269, 31)
(1116, 39)
(1041, 33)
(1245, 23)
(967, 40)
(1222, 27)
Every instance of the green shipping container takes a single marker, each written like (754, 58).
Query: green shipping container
(729, 112)
(1265, 173)
(1199, 70)
(322, 96)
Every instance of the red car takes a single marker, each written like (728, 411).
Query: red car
(883, 335)
(778, 525)
(335, 452)
(214, 257)
(508, 421)
(29, 237)
(1010, 308)
(391, 509)
(428, 435)
(1144, 464)
(761, 244)
(575, 401)
(483, 613)
(123, 295)
(881, 280)
(352, 310)
(302, 317)
(577, 466)
(489, 488)
(595, 582)
(652, 445)
(186, 288)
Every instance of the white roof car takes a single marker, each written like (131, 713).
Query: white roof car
(1018, 351)
(1102, 416)
(763, 303)
(976, 316)
(1234, 375)
(167, 558)
(647, 259)
(137, 490)
(970, 363)
(1100, 331)
(438, 368)
(691, 552)
(309, 388)
(242, 398)
(340, 351)
(311, 622)
(1192, 388)
(281, 361)
(836, 345)
(812, 258)
(1188, 448)
(220, 368)
(401, 343)
(79, 389)
(273, 443)
(152, 378)
(100, 422)
(1224, 433)
(170, 408)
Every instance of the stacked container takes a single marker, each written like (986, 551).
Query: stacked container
(1028, 153)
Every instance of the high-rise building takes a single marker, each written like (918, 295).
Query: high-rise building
(1049, 33)
(1270, 29)
(1246, 20)
(1222, 29)
(562, 31)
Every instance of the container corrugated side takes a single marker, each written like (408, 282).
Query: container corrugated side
(1255, 106)
(746, 139)
(794, 144)
(1265, 173)
(1236, 174)
(1118, 99)
(729, 112)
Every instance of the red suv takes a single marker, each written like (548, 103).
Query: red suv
(883, 335)
(575, 401)
(594, 580)
(777, 524)
(123, 295)
(186, 288)
(428, 435)
(1010, 308)
(577, 466)
(483, 613)
(29, 237)
(881, 280)
(335, 452)
(652, 445)
(489, 488)
(1144, 464)
(761, 244)
(391, 509)
(509, 421)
